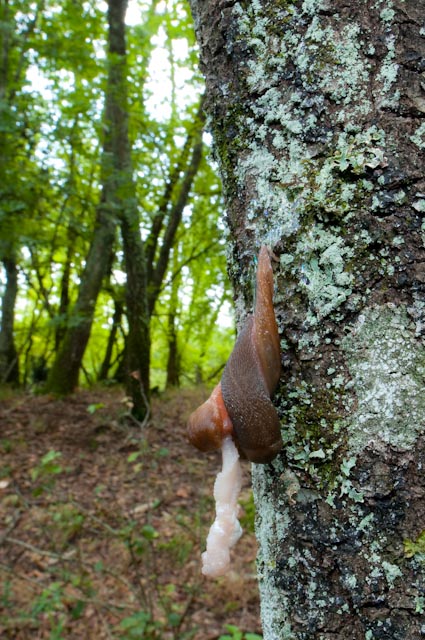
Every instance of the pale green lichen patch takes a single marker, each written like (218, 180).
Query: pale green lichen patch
(392, 572)
(345, 77)
(318, 260)
(420, 605)
(288, 176)
(325, 280)
(378, 567)
(388, 70)
(332, 65)
(342, 487)
(387, 366)
(388, 75)
(278, 163)
(419, 205)
(418, 138)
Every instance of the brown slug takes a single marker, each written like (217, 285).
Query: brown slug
(240, 404)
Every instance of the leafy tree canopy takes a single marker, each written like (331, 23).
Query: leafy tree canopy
(53, 78)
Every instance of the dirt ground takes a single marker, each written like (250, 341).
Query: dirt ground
(102, 524)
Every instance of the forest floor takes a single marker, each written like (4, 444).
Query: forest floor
(102, 524)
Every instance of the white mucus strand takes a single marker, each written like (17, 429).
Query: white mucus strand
(226, 529)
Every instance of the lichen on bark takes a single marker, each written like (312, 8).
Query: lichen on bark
(387, 372)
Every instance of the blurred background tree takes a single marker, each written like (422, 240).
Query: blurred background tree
(111, 240)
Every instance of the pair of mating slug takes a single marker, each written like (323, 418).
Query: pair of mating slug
(239, 416)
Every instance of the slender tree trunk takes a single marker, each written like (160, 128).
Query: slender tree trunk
(64, 374)
(137, 349)
(173, 360)
(156, 272)
(9, 362)
(64, 299)
(138, 338)
(63, 377)
(107, 360)
(317, 112)
(145, 276)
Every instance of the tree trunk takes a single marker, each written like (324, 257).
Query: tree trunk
(63, 377)
(137, 348)
(173, 359)
(156, 273)
(64, 298)
(107, 360)
(317, 113)
(9, 362)
(138, 338)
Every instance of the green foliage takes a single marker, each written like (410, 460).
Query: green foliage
(236, 634)
(92, 408)
(247, 520)
(51, 604)
(138, 625)
(46, 471)
(178, 548)
(415, 548)
(51, 133)
(67, 522)
(141, 625)
(6, 445)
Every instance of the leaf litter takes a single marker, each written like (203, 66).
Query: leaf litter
(102, 523)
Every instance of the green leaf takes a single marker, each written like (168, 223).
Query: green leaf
(149, 532)
(135, 624)
(174, 619)
(50, 456)
(77, 610)
(92, 408)
(235, 631)
(133, 456)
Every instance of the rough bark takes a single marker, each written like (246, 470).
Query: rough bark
(9, 362)
(137, 347)
(138, 338)
(317, 114)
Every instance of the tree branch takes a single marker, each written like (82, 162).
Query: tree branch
(173, 223)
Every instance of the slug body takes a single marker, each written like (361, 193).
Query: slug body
(210, 423)
(240, 405)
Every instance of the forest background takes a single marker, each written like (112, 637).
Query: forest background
(108, 198)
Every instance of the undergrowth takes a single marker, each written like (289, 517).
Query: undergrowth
(73, 559)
